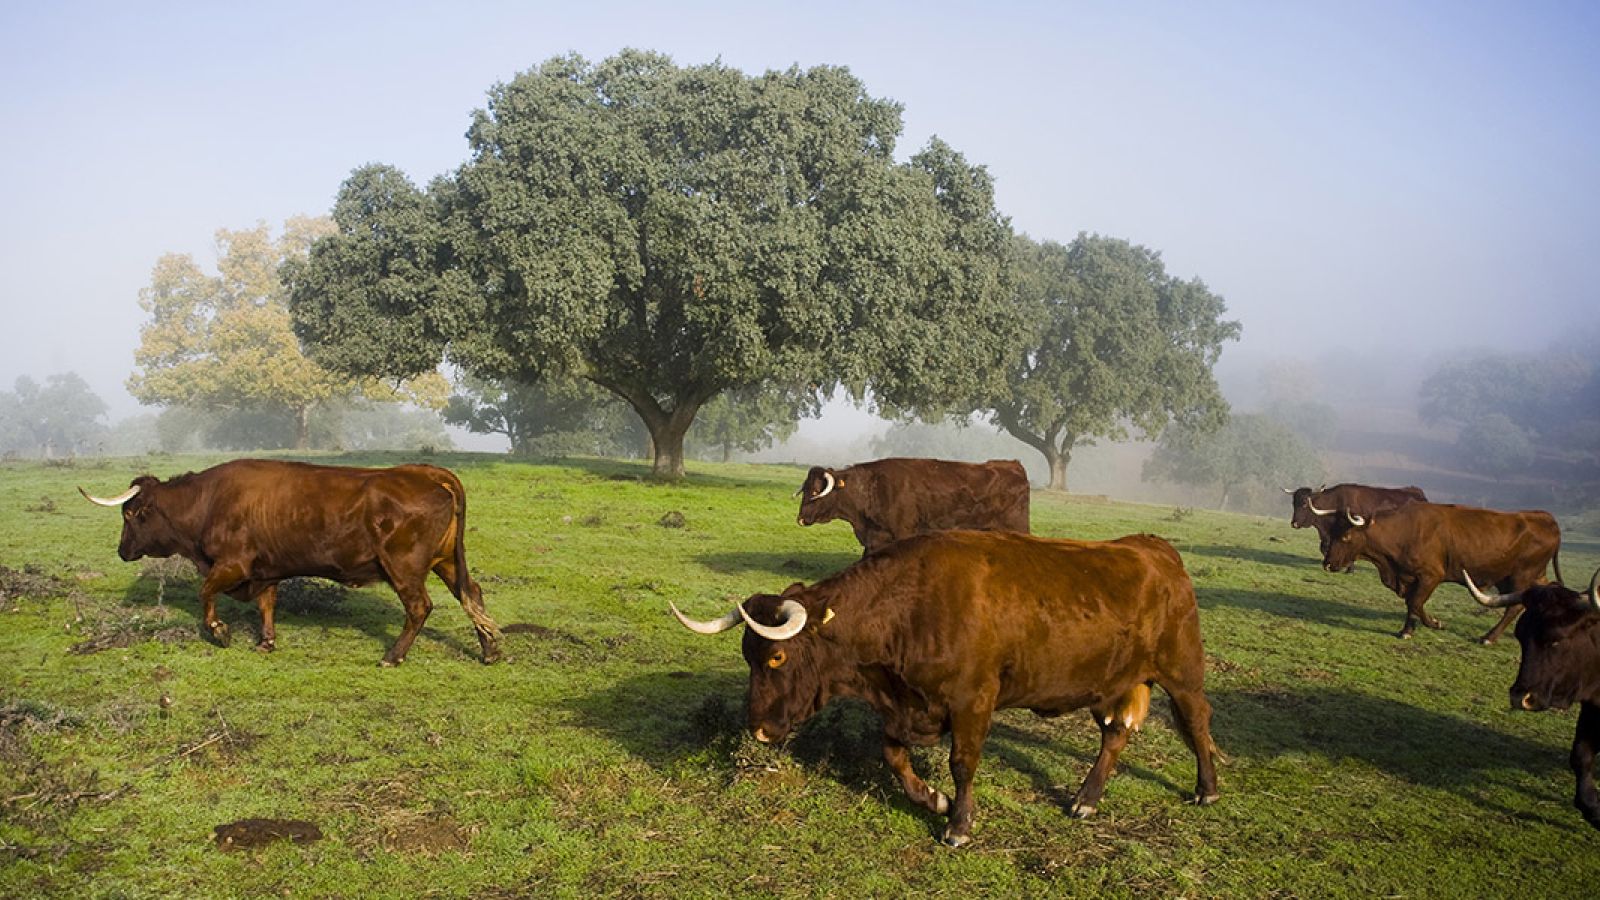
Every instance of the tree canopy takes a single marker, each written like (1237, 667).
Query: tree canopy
(751, 418)
(1116, 344)
(60, 417)
(671, 233)
(222, 343)
(554, 417)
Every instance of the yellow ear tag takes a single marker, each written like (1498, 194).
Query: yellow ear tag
(828, 616)
(840, 482)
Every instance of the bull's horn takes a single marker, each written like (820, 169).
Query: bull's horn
(1321, 512)
(112, 501)
(713, 627)
(1498, 601)
(1288, 490)
(792, 619)
(1594, 591)
(1355, 520)
(826, 490)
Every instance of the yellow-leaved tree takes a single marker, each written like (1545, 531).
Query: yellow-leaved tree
(222, 342)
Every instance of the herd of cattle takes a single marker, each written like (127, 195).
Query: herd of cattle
(954, 610)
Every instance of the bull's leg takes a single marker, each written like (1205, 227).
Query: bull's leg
(1506, 618)
(1114, 734)
(267, 601)
(221, 579)
(1584, 743)
(899, 760)
(418, 604)
(1192, 712)
(969, 729)
(1417, 594)
(472, 604)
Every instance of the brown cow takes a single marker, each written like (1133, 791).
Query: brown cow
(1419, 546)
(1318, 508)
(938, 631)
(250, 523)
(1560, 638)
(890, 499)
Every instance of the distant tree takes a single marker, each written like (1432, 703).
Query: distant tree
(1117, 346)
(671, 234)
(222, 344)
(1494, 445)
(58, 418)
(1314, 421)
(1511, 408)
(750, 419)
(560, 417)
(1251, 453)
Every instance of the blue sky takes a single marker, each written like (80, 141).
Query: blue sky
(1359, 180)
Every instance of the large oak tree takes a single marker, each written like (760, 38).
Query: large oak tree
(1117, 347)
(672, 233)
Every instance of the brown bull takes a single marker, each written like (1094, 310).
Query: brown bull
(938, 631)
(890, 499)
(249, 524)
(1419, 546)
(1320, 508)
(1560, 638)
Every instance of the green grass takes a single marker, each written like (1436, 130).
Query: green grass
(607, 756)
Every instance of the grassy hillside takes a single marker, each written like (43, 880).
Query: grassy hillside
(608, 755)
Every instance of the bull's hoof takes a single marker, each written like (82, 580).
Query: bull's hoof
(1206, 799)
(1487, 640)
(1081, 810)
(951, 839)
(1404, 635)
(266, 646)
(490, 657)
(1433, 623)
(217, 633)
(387, 663)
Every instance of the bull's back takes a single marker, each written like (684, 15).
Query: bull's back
(1449, 538)
(917, 495)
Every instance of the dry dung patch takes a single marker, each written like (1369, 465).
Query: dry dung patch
(249, 833)
(29, 581)
(396, 819)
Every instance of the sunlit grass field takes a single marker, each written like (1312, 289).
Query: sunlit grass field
(607, 756)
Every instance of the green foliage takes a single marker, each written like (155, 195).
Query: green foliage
(1494, 445)
(1117, 343)
(750, 419)
(1252, 455)
(608, 755)
(671, 233)
(557, 417)
(58, 418)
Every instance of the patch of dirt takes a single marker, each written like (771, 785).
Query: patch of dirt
(672, 519)
(425, 836)
(397, 820)
(127, 636)
(29, 581)
(249, 833)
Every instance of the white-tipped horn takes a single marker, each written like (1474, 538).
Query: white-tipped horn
(1355, 520)
(1498, 601)
(827, 488)
(792, 618)
(1288, 490)
(1594, 591)
(713, 627)
(1321, 512)
(110, 501)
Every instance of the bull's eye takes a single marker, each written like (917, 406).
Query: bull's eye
(777, 659)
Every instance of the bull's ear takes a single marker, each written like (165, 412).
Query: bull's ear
(793, 589)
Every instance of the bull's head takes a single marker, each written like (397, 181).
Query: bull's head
(1560, 636)
(1302, 512)
(1347, 537)
(787, 659)
(820, 496)
(145, 529)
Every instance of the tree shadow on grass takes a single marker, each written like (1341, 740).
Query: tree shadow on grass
(794, 566)
(1253, 554)
(1319, 610)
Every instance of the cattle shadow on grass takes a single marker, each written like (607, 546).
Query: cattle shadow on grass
(1252, 554)
(302, 603)
(788, 566)
(1422, 747)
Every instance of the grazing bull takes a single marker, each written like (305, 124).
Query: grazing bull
(250, 523)
(1560, 638)
(938, 631)
(1419, 546)
(890, 499)
(1359, 499)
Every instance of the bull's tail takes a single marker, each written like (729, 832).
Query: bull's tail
(465, 591)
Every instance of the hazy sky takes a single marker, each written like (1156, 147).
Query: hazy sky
(1359, 178)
